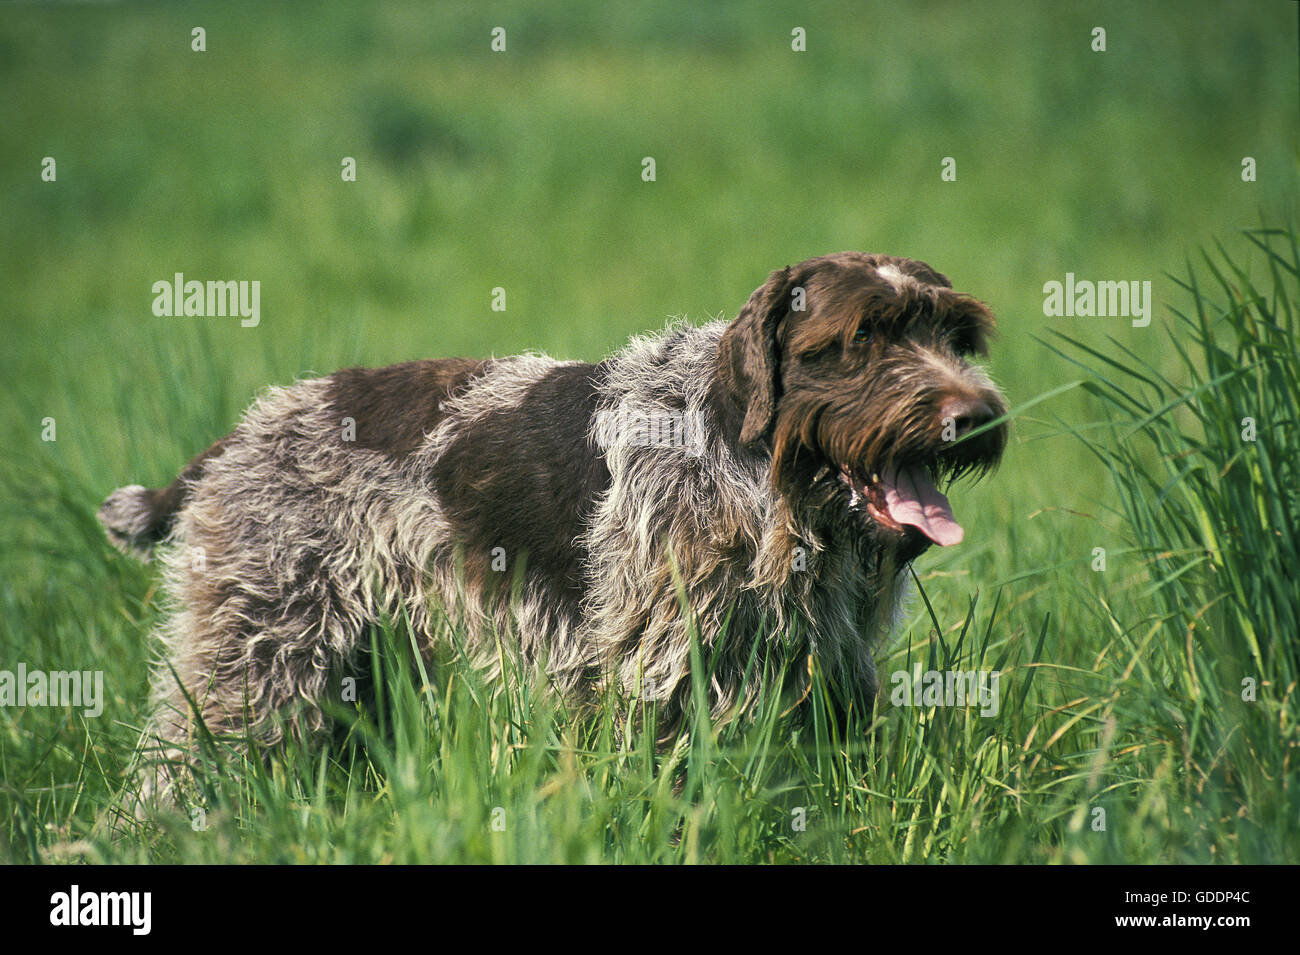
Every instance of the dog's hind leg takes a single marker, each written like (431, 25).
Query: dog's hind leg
(248, 661)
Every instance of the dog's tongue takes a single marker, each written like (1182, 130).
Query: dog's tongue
(912, 499)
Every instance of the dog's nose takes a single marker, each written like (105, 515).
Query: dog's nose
(965, 414)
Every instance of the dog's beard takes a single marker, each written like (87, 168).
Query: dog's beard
(881, 483)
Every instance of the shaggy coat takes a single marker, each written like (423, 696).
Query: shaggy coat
(777, 472)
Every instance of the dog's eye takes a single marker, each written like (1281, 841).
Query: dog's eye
(964, 344)
(864, 335)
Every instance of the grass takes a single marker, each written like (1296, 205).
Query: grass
(1121, 688)
(1208, 473)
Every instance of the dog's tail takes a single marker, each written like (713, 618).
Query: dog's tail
(136, 518)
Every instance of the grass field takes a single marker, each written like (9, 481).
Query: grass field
(1122, 688)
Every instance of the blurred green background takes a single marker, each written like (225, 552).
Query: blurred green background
(522, 170)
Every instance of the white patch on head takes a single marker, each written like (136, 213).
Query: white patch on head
(895, 276)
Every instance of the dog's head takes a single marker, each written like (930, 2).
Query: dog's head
(853, 371)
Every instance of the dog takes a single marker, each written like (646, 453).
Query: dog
(780, 472)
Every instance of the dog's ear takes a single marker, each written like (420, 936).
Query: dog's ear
(750, 355)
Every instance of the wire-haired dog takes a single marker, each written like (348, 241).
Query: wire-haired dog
(782, 469)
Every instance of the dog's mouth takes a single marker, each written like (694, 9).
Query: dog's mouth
(899, 498)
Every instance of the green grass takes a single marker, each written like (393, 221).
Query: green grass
(1121, 689)
(1207, 468)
